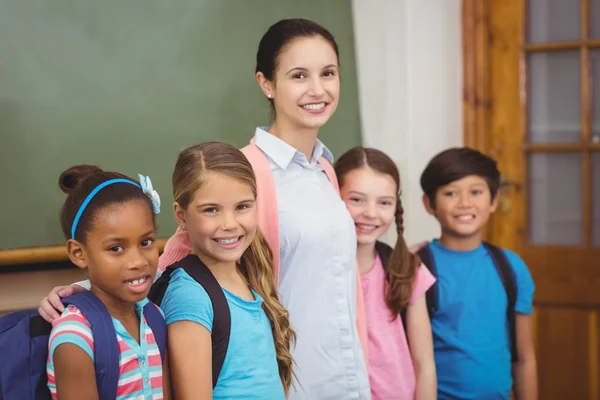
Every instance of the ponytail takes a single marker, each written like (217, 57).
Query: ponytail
(401, 269)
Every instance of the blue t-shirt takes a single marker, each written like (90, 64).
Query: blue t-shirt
(250, 368)
(470, 328)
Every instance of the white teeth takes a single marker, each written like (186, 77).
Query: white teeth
(466, 217)
(228, 241)
(317, 106)
(366, 227)
(137, 281)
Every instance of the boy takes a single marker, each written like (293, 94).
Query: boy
(472, 342)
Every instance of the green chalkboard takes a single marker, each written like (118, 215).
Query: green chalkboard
(127, 84)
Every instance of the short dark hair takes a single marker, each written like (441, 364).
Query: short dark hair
(456, 163)
(78, 182)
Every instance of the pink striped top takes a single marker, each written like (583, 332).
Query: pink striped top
(140, 364)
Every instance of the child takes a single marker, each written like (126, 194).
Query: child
(215, 202)
(109, 222)
(370, 186)
(471, 324)
(297, 70)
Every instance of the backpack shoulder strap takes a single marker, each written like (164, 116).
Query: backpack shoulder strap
(507, 276)
(384, 252)
(159, 328)
(266, 201)
(106, 347)
(330, 172)
(431, 297)
(221, 328)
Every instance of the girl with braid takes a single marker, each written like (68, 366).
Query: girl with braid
(394, 282)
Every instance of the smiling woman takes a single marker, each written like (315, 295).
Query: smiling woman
(308, 228)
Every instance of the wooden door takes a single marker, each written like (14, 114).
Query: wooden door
(532, 100)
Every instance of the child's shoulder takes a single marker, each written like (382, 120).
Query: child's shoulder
(71, 315)
(184, 297)
(181, 281)
(72, 327)
(516, 262)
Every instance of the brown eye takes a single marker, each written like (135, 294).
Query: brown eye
(147, 242)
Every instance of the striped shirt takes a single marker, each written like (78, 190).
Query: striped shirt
(140, 364)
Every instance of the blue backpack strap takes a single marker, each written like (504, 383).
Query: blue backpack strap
(106, 347)
(509, 281)
(431, 296)
(159, 328)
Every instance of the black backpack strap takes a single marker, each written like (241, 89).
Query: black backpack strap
(507, 275)
(385, 252)
(432, 294)
(221, 327)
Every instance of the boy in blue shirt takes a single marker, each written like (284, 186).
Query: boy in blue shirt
(470, 326)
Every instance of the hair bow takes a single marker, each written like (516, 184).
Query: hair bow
(148, 190)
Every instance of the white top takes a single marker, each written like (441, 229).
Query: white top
(317, 274)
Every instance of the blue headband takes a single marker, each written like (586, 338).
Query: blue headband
(146, 188)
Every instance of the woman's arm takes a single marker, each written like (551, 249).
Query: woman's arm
(190, 360)
(421, 349)
(525, 369)
(74, 373)
(51, 305)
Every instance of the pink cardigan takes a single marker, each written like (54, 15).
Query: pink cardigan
(179, 245)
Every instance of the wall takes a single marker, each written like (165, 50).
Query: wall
(409, 61)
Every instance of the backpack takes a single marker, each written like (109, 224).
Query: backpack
(24, 348)
(505, 272)
(221, 327)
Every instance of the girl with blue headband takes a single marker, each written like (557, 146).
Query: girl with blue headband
(108, 220)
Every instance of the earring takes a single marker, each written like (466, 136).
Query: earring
(183, 228)
(269, 95)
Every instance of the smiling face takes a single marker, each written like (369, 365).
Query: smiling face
(306, 85)
(463, 207)
(371, 198)
(120, 252)
(221, 219)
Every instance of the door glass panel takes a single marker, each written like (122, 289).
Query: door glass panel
(595, 62)
(594, 19)
(596, 198)
(552, 20)
(554, 91)
(555, 215)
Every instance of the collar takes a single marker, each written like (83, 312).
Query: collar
(283, 153)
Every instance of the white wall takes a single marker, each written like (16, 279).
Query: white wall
(409, 60)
